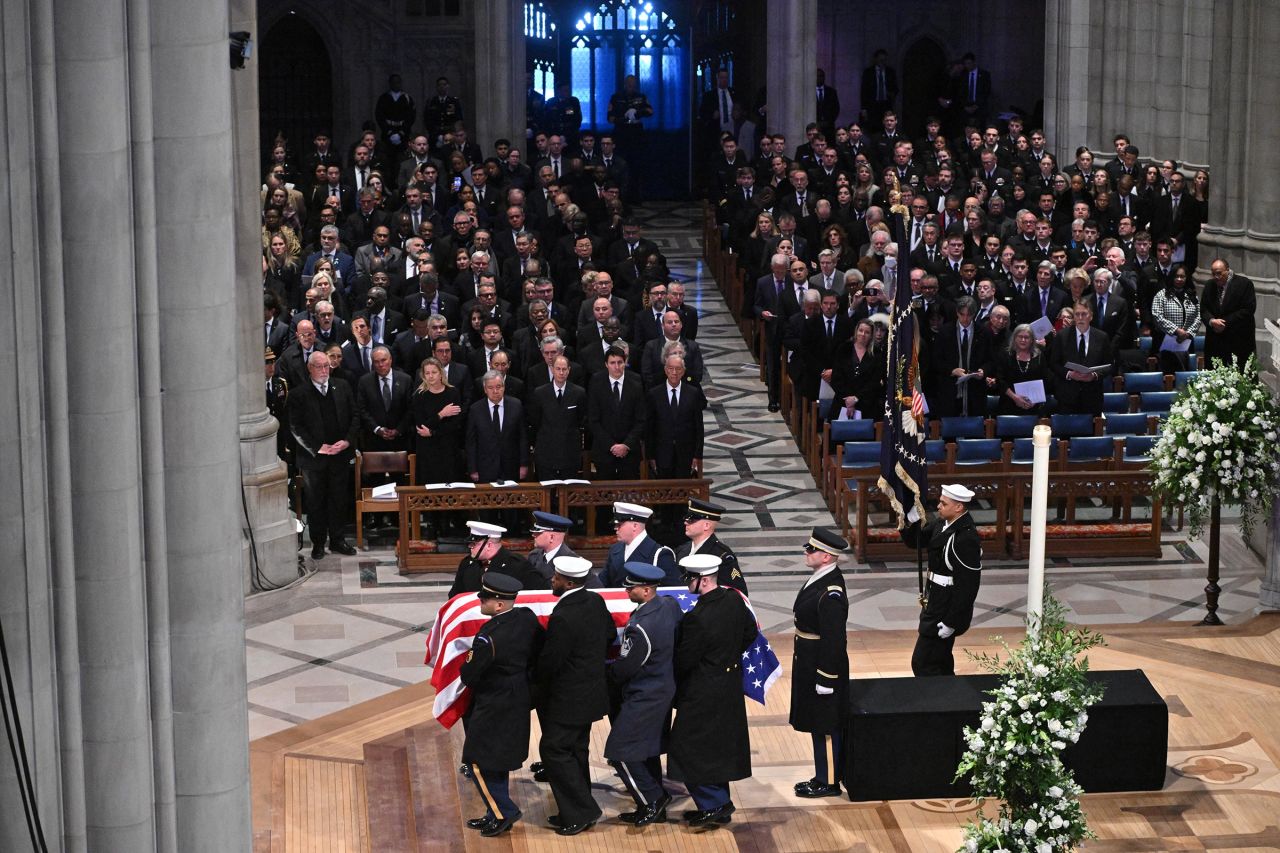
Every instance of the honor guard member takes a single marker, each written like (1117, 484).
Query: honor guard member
(573, 692)
(549, 531)
(635, 545)
(644, 676)
(700, 521)
(485, 553)
(820, 664)
(955, 565)
(497, 722)
(710, 743)
(278, 406)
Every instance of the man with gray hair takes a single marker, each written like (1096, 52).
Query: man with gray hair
(1112, 313)
(325, 424)
(673, 441)
(772, 304)
(961, 358)
(344, 266)
(497, 446)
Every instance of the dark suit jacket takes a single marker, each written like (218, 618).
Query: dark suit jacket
(393, 323)
(306, 423)
(1079, 397)
(479, 366)
(446, 305)
(537, 375)
(689, 317)
(1119, 321)
(651, 367)
(945, 357)
(496, 456)
(459, 376)
(674, 438)
(613, 423)
(353, 359)
(1237, 307)
(555, 429)
(868, 88)
(818, 352)
(374, 413)
(1058, 299)
(279, 337)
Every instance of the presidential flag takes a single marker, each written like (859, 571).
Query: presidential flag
(902, 458)
(459, 620)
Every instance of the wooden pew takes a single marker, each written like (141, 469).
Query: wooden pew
(415, 500)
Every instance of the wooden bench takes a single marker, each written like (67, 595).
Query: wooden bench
(415, 500)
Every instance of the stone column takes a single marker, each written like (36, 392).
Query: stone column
(792, 42)
(193, 145)
(499, 66)
(263, 476)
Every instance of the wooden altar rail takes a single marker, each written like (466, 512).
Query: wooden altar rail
(415, 500)
(1007, 494)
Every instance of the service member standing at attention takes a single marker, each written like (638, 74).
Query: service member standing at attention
(572, 692)
(820, 664)
(955, 565)
(644, 674)
(485, 553)
(635, 545)
(700, 521)
(497, 722)
(710, 743)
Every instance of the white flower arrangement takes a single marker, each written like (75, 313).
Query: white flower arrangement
(1220, 440)
(1014, 754)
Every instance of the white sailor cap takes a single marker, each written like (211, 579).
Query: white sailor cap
(623, 511)
(700, 564)
(957, 492)
(484, 530)
(572, 567)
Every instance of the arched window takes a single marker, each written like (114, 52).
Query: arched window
(540, 47)
(621, 37)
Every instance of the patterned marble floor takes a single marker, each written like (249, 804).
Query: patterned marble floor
(356, 628)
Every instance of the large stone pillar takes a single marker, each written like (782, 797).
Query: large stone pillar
(793, 66)
(273, 547)
(499, 66)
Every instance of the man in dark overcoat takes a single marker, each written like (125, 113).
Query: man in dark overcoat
(497, 721)
(710, 743)
(820, 662)
(644, 675)
(955, 573)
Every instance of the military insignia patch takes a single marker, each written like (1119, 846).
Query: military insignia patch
(626, 647)
(470, 654)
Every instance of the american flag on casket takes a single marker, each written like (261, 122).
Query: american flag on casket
(459, 620)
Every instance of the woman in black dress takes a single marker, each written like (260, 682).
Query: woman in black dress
(858, 377)
(1022, 361)
(437, 417)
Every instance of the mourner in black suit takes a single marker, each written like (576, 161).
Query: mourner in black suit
(497, 449)
(961, 349)
(673, 442)
(382, 399)
(710, 743)
(1227, 309)
(1088, 346)
(497, 721)
(324, 423)
(617, 414)
(573, 692)
(955, 565)
(820, 662)
(823, 336)
(644, 676)
(879, 89)
(1112, 313)
(557, 414)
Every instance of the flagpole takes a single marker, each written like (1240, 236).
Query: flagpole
(1040, 440)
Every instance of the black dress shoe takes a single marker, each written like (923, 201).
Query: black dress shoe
(575, 828)
(317, 552)
(813, 792)
(807, 783)
(631, 817)
(497, 827)
(554, 820)
(342, 548)
(539, 772)
(465, 770)
(480, 822)
(695, 817)
(773, 407)
(655, 812)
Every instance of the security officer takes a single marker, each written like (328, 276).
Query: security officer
(820, 664)
(497, 722)
(634, 545)
(700, 521)
(549, 531)
(573, 692)
(710, 742)
(485, 553)
(644, 674)
(955, 563)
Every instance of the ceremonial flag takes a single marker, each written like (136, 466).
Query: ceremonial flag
(902, 459)
(459, 620)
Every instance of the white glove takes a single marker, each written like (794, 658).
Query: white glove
(395, 139)
(630, 114)
(822, 691)
(913, 515)
(944, 631)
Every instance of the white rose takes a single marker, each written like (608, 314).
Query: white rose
(1057, 744)
(1055, 822)
(1044, 847)
(1055, 792)
(987, 723)
(1055, 726)
(1030, 827)
(1039, 670)
(971, 845)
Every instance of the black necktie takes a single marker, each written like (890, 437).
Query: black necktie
(1102, 308)
(497, 419)
(1082, 347)
(617, 392)
(830, 328)
(386, 393)
(964, 349)
(364, 350)
(675, 401)
(559, 395)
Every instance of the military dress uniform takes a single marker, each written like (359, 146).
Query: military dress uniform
(646, 550)
(470, 570)
(644, 675)
(277, 390)
(497, 722)
(710, 743)
(955, 573)
(730, 573)
(821, 659)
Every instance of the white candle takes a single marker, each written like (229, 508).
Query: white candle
(1040, 440)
